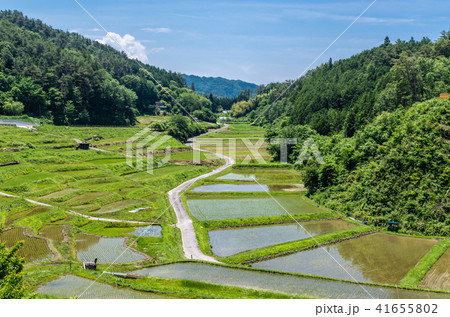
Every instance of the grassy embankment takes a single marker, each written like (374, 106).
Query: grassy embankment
(417, 273)
(160, 286)
(296, 246)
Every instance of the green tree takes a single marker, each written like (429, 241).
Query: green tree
(13, 108)
(11, 278)
(31, 95)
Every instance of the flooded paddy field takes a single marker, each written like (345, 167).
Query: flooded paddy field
(232, 241)
(238, 177)
(289, 284)
(263, 175)
(219, 209)
(54, 232)
(148, 231)
(378, 258)
(106, 250)
(438, 277)
(246, 188)
(33, 250)
(73, 286)
(232, 188)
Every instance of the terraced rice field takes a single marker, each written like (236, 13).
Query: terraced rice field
(378, 258)
(119, 205)
(26, 213)
(70, 286)
(82, 198)
(219, 209)
(239, 141)
(60, 193)
(106, 250)
(264, 175)
(149, 231)
(33, 250)
(238, 177)
(438, 277)
(54, 232)
(290, 284)
(232, 188)
(229, 242)
(84, 174)
(112, 160)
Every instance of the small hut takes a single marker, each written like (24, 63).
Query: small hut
(83, 146)
(90, 265)
(393, 225)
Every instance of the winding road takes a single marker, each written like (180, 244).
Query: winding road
(184, 222)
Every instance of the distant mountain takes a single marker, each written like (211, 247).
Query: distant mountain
(218, 86)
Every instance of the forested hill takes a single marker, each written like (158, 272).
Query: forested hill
(347, 94)
(74, 80)
(397, 168)
(218, 86)
(381, 128)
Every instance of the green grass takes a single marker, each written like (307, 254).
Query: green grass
(24, 118)
(37, 221)
(417, 273)
(13, 212)
(194, 289)
(166, 248)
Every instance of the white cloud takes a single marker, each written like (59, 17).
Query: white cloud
(132, 47)
(157, 30)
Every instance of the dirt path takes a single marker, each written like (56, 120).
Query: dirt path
(184, 222)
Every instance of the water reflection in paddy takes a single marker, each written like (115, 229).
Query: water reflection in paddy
(239, 177)
(218, 209)
(73, 286)
(232, 188)
(439, 275)
(303, 286)
(148, 231)
(228, 242)
(378, 258)
(106, 250)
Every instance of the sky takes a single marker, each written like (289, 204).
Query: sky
(256, 41)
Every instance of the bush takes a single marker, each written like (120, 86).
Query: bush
(158, 126)
(13, 108)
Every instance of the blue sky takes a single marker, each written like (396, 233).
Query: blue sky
(257, 41)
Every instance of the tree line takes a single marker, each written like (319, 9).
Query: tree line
(69, 79)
